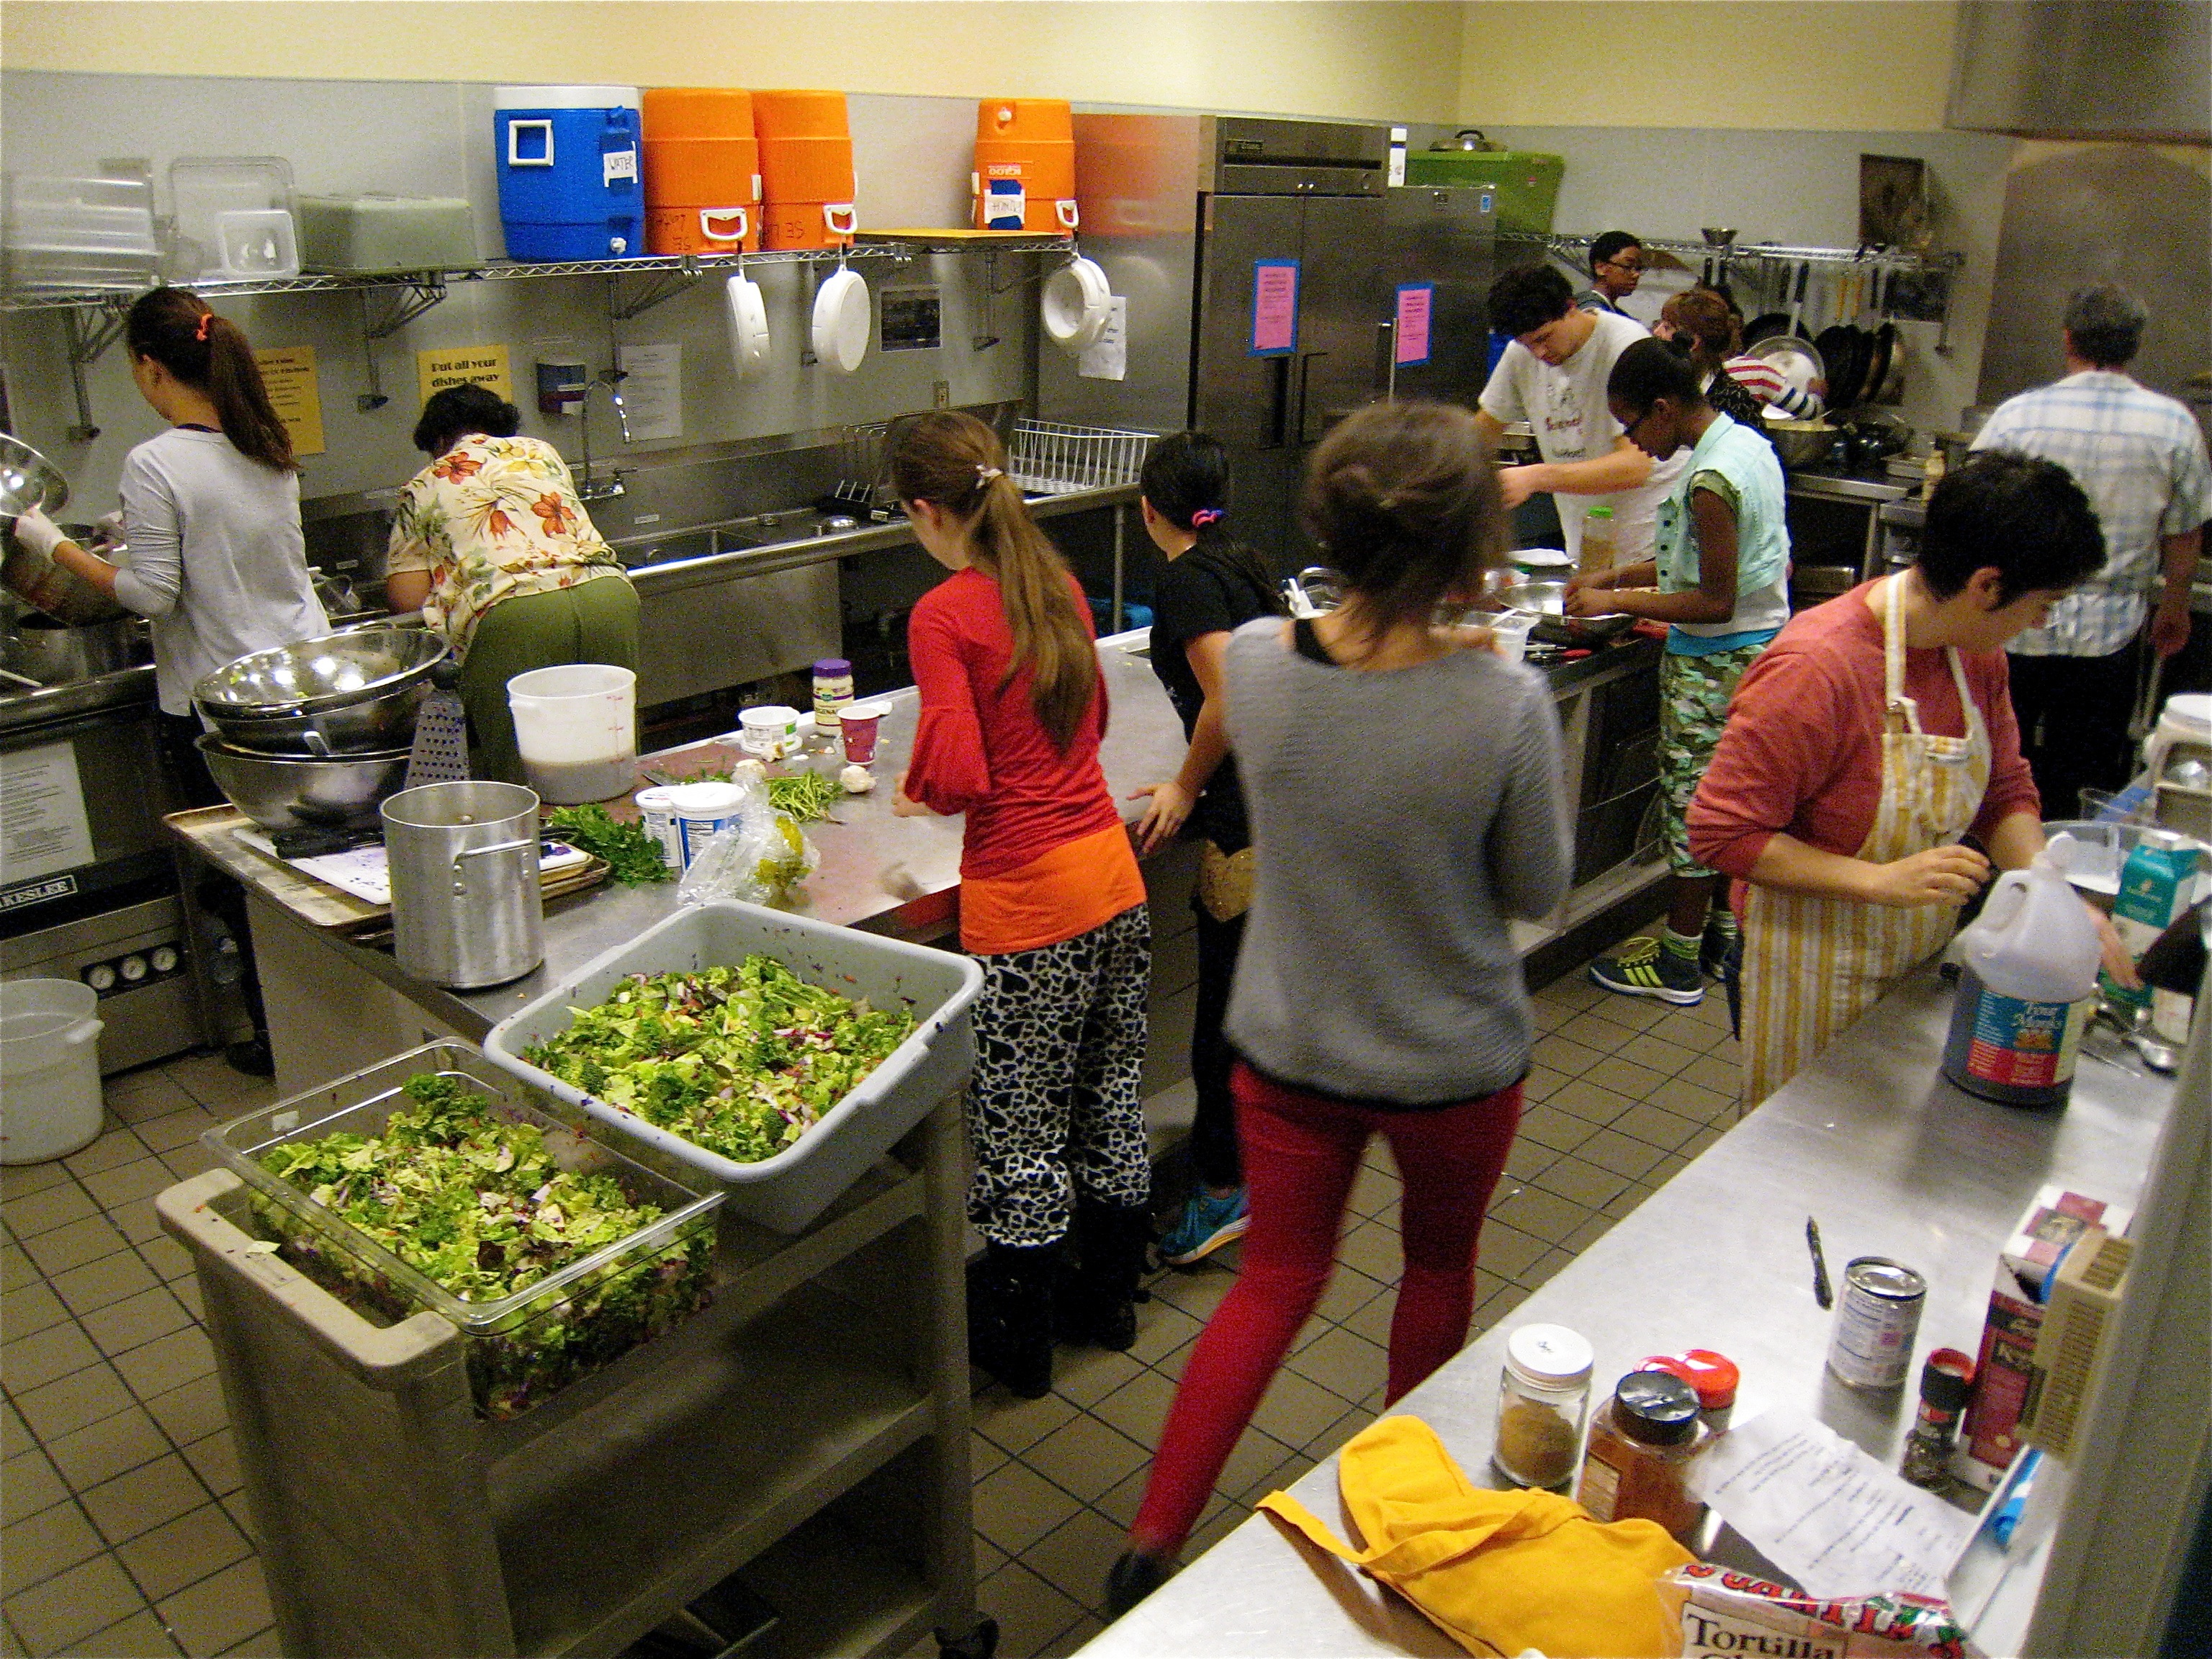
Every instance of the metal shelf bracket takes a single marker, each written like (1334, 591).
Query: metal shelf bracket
(414, 295)
(660, 286)
(91, 329)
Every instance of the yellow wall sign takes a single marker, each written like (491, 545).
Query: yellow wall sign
(464, 366)
(289, 372)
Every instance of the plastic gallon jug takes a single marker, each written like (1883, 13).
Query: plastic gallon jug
(569, 174)
(2028, 988)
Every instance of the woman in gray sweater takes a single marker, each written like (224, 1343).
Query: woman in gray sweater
(1404, 787)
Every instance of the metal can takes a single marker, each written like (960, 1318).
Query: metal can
(1877, 1318)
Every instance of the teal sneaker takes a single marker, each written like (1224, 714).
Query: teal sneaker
(1645, 969)
(1206, 1223)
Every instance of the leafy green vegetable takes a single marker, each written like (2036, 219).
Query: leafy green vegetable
(633, 857)
(805, 795)
(739, 1060)
(479, 1206)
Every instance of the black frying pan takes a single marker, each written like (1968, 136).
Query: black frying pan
(1765, 326)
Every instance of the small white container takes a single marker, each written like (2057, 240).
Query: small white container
(1511, 631)
(698, 811)
(256, 242)
(656, 814)
(770, 732)
(49, 1069)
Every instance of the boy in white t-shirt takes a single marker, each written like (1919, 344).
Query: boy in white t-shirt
(1553, 376)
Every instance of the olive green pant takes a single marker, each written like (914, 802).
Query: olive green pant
(592, 622)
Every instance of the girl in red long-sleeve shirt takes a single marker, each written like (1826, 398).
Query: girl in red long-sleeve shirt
(1012, 710)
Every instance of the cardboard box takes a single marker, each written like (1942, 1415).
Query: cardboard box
(2052, 1225)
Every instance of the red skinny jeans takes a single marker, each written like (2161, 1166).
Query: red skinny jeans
(1302, 1153)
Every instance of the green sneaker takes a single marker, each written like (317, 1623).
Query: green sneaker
(1645, 969)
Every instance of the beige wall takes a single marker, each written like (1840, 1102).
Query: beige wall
(1804, 65)
(1380, 60)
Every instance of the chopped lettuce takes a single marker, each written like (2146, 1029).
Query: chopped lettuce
(479, 1206)
(741, 1061)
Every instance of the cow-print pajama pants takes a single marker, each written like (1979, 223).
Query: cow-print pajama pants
(1055, 1104)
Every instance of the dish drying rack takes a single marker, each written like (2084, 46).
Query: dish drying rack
(1049, 458)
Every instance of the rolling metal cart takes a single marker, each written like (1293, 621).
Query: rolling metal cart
(807, 1433)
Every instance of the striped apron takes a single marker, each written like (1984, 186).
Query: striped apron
(1812, 965)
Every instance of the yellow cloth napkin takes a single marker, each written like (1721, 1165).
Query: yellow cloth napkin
(1499, 1571)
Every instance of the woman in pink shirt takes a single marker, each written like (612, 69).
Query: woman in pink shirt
(1873, 735)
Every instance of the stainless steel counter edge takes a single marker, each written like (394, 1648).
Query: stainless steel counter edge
(1890, 1159)
(124, 689)
(772, 556)
(1844, 487)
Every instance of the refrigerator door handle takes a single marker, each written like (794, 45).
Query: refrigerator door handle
(1275, 426)
(1305, 369)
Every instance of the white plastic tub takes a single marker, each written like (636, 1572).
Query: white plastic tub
(576, 729)
(786, 1191)
(50, 1099)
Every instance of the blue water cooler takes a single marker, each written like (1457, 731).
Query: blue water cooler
(568, 177)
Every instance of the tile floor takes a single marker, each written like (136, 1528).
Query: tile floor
(126, 1532)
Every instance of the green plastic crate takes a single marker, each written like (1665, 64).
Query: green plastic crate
(1527, 181)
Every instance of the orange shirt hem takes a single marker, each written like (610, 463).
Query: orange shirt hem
(1076, 886)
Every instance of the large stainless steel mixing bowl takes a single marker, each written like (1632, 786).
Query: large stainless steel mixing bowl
(341, 694)
(28, 479)
(292, 792)
(1548, 600)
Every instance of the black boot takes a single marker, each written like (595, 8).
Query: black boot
(1009, 1316)
(1099, 1305)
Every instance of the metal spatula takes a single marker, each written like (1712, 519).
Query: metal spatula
(442, 731)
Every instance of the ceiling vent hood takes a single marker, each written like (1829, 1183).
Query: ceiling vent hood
(2083, 68)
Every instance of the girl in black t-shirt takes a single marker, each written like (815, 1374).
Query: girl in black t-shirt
(1212, 584)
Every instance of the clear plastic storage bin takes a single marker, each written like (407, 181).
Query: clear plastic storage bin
(207, 188)
(79, 233)
(524, 1348)
(786, 1191)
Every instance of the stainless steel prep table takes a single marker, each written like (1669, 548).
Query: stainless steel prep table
(1890, 1159)
(883, 873)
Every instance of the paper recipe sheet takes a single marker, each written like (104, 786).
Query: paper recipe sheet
(1826, 1513)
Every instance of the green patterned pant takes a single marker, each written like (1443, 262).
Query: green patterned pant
(1694, 700)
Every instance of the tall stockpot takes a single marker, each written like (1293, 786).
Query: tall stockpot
(466, 907)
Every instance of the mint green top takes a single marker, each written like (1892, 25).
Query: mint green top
(1739, 465)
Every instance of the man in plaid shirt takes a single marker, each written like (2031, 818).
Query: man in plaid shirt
(2140, 459)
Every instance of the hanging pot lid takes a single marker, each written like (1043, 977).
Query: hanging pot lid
(840, 321)
(748, 325)
(1076, 298)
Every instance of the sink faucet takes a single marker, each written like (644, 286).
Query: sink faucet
(609, 489)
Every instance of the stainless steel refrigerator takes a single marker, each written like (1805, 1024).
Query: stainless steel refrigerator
(1260, 261)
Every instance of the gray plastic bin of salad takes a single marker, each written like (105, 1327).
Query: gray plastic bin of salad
(776, 1055)
(435, 1181)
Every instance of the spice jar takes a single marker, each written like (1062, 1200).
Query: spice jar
(1641, 1442)
(1541, 1397)
(1714, 1375)
(1947, 1378)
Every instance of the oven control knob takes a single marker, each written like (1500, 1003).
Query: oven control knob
(101, 976)
(165, 958)
(134, 969)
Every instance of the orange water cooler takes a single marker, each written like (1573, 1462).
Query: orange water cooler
(1024, 176)
(806, 169)
(702, 172)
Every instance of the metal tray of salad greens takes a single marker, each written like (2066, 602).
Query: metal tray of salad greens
(435, 1180)
(778, 1056)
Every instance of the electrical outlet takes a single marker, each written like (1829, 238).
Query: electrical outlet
(941, 395)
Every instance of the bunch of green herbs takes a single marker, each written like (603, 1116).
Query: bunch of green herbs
(807, 796)
(633, 857)
(740, 1061)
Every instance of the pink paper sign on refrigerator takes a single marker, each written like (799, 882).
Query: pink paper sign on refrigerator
(1274, 308)
(1417, 303)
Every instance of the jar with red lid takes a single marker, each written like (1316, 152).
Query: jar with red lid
(1714, 1375)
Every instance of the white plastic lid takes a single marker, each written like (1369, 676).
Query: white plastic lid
(1549, 1356)
(2188, 714)
(773, 716)
(510, 98)
(704, 799)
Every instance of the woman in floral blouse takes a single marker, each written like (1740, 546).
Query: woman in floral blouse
(492, 544)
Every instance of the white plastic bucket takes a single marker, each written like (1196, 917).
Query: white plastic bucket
(576, 727)
(50, 1100)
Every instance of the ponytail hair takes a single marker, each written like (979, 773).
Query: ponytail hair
(1186, 479)
(209, 354)
(955, 462)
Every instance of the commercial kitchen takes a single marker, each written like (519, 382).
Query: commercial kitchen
(235, 1425)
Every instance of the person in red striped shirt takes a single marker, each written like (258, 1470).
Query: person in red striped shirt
(1013, 706)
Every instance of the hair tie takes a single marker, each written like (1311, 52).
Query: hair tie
(1205, 516)
(985, 474)
(199, 331)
